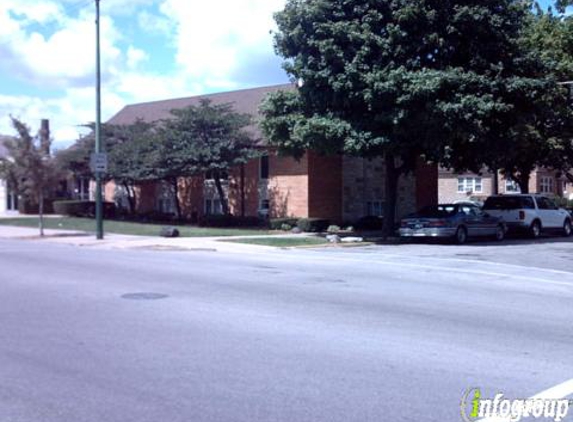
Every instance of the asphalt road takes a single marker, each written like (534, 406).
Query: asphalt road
(380, 334)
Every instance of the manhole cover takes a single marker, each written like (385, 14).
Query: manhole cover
(143, 296)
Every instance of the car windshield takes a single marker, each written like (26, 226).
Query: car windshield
(438, 211)
(508, 202)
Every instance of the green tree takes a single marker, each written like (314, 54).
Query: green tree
(536, 130)
(30, 168)
(199, 139)
(394, 78)
(130, 150)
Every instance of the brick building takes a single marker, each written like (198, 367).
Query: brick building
(459, 186)
(338, 188)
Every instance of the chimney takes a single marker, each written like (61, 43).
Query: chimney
(45, 136)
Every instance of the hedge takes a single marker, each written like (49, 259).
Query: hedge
(229, 221)
(277, 223)
(76, 208)
(313, 224)
(370, 223)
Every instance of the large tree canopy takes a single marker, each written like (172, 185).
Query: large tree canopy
(203, 138)
(30, 167)
(401, 79)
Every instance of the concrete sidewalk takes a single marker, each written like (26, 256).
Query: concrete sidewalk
(121, 241)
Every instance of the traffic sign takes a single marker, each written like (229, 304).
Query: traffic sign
(98, 162)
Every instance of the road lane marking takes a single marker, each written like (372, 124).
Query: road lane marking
(337, 259)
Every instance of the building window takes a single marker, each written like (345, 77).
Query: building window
(264, 167)
(213, 207)
(82, 190)
(469, 184)
(374, 208)
(511, 186)
(546, 185)
(166, 205)
(264, 208)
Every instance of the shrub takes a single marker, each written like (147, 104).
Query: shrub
(286, 227)
(83, 208)
(25, 206)
(277, 223)
(333, 228)
(370, 223)
(313, 224)
(229, 221)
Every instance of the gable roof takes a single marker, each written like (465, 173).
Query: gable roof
(244, 101)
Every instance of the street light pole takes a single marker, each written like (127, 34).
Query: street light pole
(98, 148)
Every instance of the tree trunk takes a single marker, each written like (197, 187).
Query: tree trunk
(523, 181)
(391, 184)
(175, 184)
(130, 197)
(222, 197)
(242, 189)
(41, 212)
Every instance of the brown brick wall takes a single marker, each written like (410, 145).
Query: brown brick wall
(145, 194)
(426, 176)
(191, 197)
(325, 187)
(251, 189)
(288, 186)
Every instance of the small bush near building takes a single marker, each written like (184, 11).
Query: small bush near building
(26, 206)
(370, 223)
(277, 223)
(286, 227)
(333, 228)
(83, 208)
(229, 221)
(313, 225)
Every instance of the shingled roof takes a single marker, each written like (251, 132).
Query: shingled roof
(244, 101)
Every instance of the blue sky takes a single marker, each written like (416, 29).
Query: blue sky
(151, 50)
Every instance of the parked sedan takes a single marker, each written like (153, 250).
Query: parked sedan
(454, 221)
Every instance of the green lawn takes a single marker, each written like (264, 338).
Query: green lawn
(122, 227)
(282, 242)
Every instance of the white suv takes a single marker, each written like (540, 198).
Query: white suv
(534, 213)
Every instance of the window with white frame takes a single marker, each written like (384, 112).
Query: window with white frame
(546, 184)
(374, 208)
(469, 184)
(213, 207)
(166, 205)
(511, 186)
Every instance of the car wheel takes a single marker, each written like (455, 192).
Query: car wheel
(461, 235)
(535, 229)
(567, 229)
(500, 233)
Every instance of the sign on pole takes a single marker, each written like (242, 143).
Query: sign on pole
(98, 162)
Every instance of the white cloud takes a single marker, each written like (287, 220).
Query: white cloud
(51, 43)
(214, 37)
(135, 56)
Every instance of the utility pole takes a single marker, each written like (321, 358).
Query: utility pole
(98, 147)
